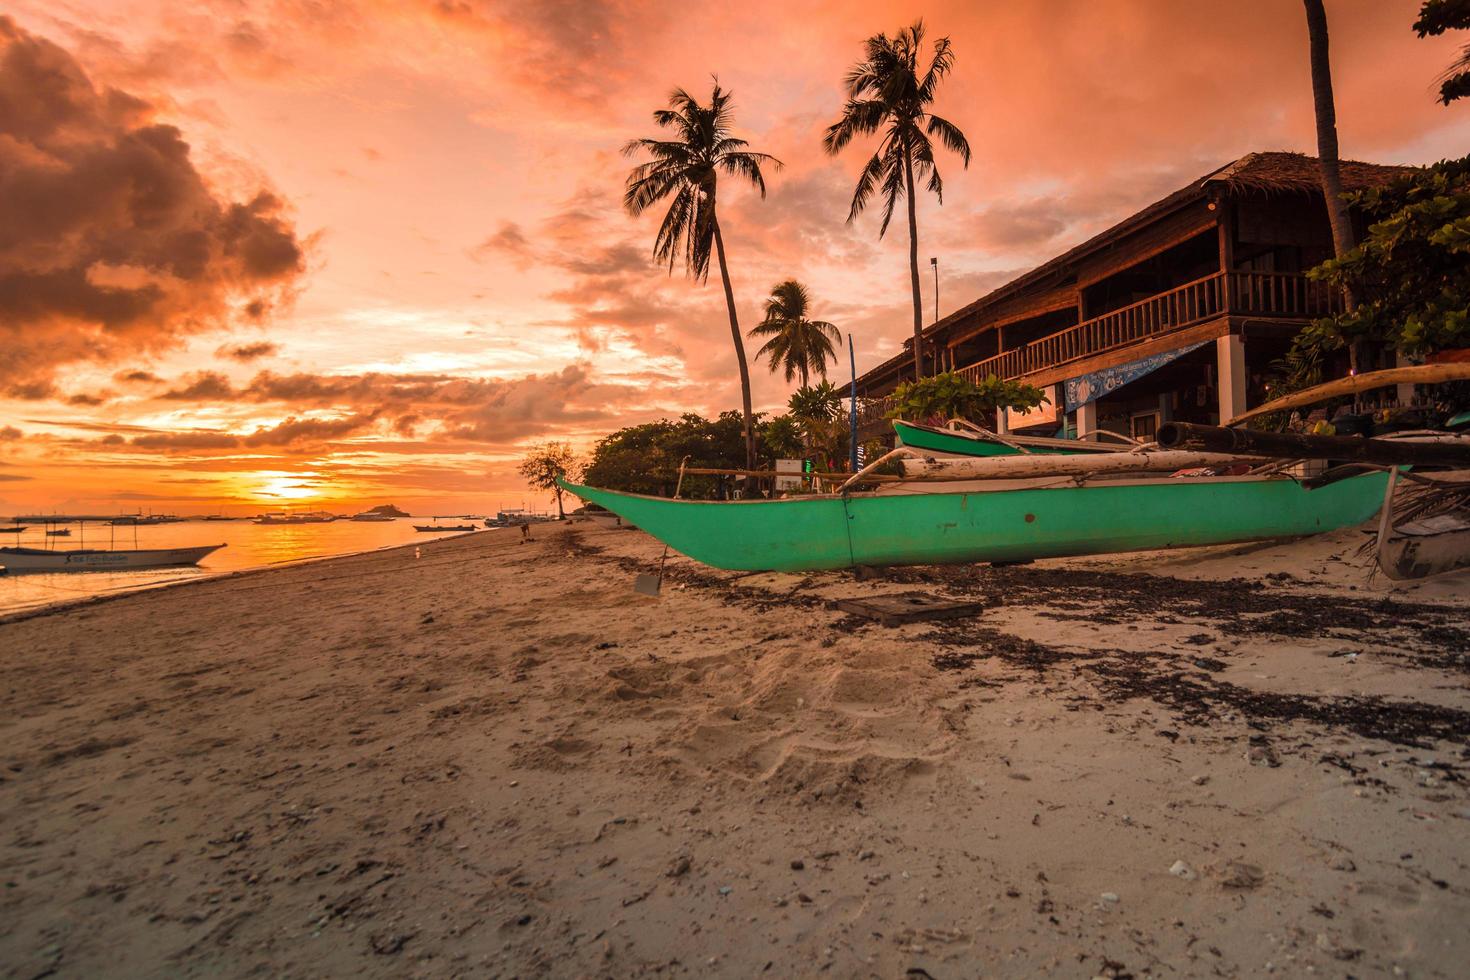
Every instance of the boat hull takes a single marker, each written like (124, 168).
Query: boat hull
(99, 560)
(824, 532)
(1432, 546)
(935, 440)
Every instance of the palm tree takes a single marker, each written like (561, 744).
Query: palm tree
(800, 345)
(1436, 17)
(687, 168)
(885, 91)
(1337, 210)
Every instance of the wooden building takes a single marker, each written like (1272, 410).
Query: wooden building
(1174, 313)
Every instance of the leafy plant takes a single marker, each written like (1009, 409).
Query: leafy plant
(782, 437)
(952, 395)
(1436, 17)
(1410, 273)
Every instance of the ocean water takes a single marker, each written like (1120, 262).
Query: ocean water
(247, 546)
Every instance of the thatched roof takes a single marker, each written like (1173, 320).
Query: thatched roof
(1255, 173)
(1297, 172)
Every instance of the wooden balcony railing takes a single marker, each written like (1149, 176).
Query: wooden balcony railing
(872, 411)
(1251, 293)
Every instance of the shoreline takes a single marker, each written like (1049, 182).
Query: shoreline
(65, 605)
(502, 760)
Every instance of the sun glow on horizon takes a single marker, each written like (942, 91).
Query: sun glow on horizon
(288, 486)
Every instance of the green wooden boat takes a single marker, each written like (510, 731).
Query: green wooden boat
(931, 439)
(922, 527)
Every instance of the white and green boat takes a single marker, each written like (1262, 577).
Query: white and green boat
(976, 442)
(993, 520)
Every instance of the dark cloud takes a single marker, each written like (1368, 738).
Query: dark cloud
(294, 431)
(248, 352)
(10, 432)
(200, 387)
(111, 242)
(82, 399)
(185, 440)
(28, 391)
(13, 477)
(137, 376)
(508, 239)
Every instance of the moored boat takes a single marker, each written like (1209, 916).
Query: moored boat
(979, 443)
(310, 517)
(100, 559)
(440, 528)
(1429, 546)
(1010, 520)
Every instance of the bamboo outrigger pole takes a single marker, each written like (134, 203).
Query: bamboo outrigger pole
(921, 467)
(1419, 374)
(1426, 450)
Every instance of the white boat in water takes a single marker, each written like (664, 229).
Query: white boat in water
(100, 559)
(310, 517)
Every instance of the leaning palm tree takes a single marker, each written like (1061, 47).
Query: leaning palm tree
(800, 345)
(687, 168)
(885, 91)
(1326, 111)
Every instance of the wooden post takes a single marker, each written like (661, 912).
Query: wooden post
(1225, 234)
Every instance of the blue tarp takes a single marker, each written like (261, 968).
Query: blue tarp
(1091, 387)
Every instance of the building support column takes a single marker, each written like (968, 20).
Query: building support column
(1230, 369)
(1000, 422)
(1086, 419)
(1404, 393)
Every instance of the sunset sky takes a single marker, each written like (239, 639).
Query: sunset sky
(381, 247)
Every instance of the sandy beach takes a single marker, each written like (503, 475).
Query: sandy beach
(498, 760)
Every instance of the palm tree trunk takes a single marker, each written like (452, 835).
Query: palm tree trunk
(908, 174)
(739, 346)
(1337, 209)
(561, 515)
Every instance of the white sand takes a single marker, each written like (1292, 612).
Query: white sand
(499, 760)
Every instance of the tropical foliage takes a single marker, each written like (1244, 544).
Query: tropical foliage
(952, 395)
(817, 410)
(1436, 17)
(545, 464)
(685, 170)
(1412, 271)
(645, 458)
(800, 345)
(886, 91)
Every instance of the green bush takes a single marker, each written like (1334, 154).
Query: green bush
(951, 395)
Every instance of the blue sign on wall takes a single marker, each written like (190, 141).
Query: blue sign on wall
(1090, 387)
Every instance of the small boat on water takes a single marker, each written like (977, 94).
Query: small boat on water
(309, 517)
(16, 529)
(61, 532)
(977, 442)
(909, 523)
(100, 559)
(372, 517)
(219, 517)
(441, 528)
